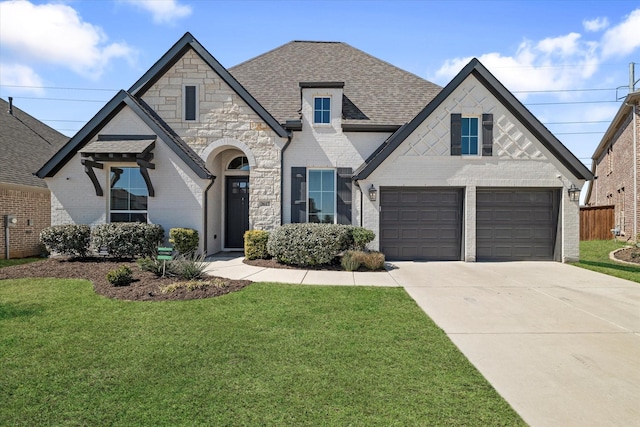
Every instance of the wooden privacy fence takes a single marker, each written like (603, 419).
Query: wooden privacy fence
(596, 222)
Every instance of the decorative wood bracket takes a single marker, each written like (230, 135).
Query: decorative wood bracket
(88, 169)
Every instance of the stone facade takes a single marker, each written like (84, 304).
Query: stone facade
(31, 205)
(223, 120)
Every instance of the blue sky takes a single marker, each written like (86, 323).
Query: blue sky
(62, 60)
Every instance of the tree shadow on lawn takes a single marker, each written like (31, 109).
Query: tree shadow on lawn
(612, 266)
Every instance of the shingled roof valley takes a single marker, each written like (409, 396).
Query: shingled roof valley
(383, 93)
(26, 145)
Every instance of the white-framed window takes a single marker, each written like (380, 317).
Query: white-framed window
(470, 136)
(190, 102)
(321, 193)
(128, 195)
(322, 110)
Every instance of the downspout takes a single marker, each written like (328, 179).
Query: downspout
(205, 208)
(289, 138)
(635, 172)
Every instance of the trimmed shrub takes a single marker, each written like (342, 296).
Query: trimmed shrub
(308, 244)
(72, 239)
(121, 276)
(255, 244)
(361, 237)
(128, 239)
(184, 240)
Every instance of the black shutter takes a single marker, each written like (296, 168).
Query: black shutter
(344, 195)
(487, 134)
(298, 194)
(456, 134)
(189, 102)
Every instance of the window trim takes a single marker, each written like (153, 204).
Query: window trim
(184, 103)
(313, 109)
(335, 193)
(125, 211)
(478, 136)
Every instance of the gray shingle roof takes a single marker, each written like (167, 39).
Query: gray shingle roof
(382, 93)
(25, 145)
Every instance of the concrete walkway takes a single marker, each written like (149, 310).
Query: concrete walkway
(561, 344)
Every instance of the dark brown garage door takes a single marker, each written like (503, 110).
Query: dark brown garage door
(516, 225)
(421, 223)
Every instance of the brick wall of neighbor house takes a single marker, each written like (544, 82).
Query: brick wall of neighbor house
(31, 205)
(614, 185)
(223, 116)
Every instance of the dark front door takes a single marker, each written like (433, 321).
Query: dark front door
(237, 213)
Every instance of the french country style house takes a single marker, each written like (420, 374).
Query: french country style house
(323, 132)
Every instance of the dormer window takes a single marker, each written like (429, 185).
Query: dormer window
(321, 110)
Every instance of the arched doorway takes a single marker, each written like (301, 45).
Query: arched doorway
(236, 201)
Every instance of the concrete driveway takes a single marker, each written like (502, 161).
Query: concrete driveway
(561, 344)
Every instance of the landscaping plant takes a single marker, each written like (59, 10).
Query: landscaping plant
(255, 244)
(184, 240)
(309, 244)
(121, 276)
(71, 239)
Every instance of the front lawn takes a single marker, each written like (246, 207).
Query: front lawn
(594, 255)
(17, 261)
(270, 354)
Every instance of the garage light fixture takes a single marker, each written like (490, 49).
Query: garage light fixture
(574, 193)
(373, 193)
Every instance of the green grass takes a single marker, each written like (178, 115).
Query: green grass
(594, 255)
(17, 261)
(271, 354)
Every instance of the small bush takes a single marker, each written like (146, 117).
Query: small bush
(308, 244)
(128, 239)
(121, 276)
(184, 240)
(190, 267)
(350, 261)
(156, 266)
(361, 237)
(255, 244)
(353, 260)
(373, 260)
(72, 239)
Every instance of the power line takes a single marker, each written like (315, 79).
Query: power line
(577, 133)
(571, 102)
(563, 90)
(60, 88)
(577, 123)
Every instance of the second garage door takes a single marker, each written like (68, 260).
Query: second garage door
(516, 224)
(421, 223)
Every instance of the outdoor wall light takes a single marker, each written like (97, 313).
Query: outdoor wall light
(574, 193)
(373, 193)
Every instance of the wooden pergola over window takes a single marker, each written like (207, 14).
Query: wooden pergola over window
(119, 148)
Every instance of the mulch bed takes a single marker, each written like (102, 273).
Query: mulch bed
(629, 255)
(146, 286)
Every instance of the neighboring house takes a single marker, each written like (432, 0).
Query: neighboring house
(323, 132)
(25, 144)
(615, 167)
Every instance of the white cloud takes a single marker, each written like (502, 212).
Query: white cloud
(163, 11)
(21, 75)
(536, 66)
(623, 38)
(55, 33)
(596, 24)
